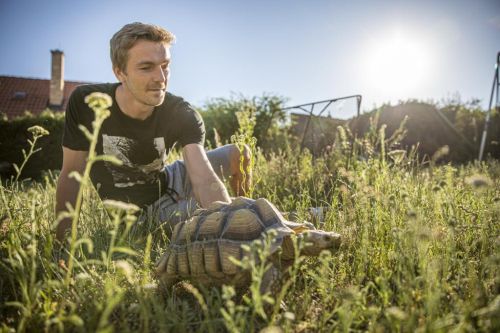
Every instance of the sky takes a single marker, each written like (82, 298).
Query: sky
(303, 51)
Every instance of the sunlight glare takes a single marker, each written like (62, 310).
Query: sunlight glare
(397, 65)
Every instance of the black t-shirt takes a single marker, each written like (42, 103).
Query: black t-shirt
(142, 145)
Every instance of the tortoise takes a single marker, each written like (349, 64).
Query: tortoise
(201, 247)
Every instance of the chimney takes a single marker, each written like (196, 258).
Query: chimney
(56, 94)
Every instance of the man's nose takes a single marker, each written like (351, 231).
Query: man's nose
(161, 75)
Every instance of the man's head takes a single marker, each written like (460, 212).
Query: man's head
(140, 54)
(126, 37)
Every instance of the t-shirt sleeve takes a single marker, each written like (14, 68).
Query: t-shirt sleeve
(73, 137)
(191, 127)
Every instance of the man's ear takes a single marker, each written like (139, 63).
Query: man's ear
(120, 75)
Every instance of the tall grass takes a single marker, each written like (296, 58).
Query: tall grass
(421, 252)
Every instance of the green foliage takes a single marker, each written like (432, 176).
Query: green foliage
(14, 138)
(420, 252)
(430, 126)
(269, 128)
(37, 132)
(424, 132)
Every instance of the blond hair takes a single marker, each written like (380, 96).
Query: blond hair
(126, 37)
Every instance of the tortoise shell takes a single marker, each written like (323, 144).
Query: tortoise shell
(201, 247)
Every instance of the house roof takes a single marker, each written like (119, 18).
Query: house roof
(19, 94)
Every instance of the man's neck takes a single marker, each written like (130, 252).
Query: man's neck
(130, 106)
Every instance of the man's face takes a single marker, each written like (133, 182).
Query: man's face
(147, 72)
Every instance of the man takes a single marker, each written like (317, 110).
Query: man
(144, 125)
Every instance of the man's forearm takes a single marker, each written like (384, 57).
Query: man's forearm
(209, 191)
(67, 191)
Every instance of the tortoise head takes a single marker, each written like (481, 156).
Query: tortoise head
(319, 240)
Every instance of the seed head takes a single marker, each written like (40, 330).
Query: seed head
(441, 152)
(98, 101)
(38, 131)
(119, 205)
(396, 313)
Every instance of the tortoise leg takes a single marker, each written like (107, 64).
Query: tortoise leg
(271, 281)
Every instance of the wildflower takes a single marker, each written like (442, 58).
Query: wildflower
(368, 191)
(134, 307)
(126, 269)
(478, 181)
(343, 189)
(372, 310)
(62, 264)
(438, 233)
(441, 152)
(150, 286)
(97, 100)
(289, 315)
(396, 313)
(82, 276)
(272, 329)
(350, 293)
(38, 131)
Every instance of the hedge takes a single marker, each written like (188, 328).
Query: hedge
(14, 138)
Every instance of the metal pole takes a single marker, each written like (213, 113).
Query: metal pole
(487, 120)
(498, 81)
(307, 127)
(311, 111)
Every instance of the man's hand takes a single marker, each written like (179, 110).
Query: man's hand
(207, 187)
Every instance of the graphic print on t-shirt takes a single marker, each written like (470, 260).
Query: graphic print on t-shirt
(143, 160)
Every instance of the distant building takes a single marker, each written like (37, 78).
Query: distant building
(19, 94)
(314, 132)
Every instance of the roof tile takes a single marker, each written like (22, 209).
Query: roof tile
(37, 95)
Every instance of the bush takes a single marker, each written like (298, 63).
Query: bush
(274, 132)
(271, 128)
(14, 138)
(456, 125)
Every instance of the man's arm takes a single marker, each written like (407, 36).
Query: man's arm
(207, 187)
(67, 188)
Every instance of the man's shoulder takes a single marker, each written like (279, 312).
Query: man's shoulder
(173, 102)
(86, 89)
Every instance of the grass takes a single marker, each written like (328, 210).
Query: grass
(421, 253)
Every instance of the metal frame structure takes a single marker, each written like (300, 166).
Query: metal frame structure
(328, 102)
(495, 86)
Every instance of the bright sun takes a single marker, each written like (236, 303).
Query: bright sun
(397, 65)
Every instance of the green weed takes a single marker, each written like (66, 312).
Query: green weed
(421, 252)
